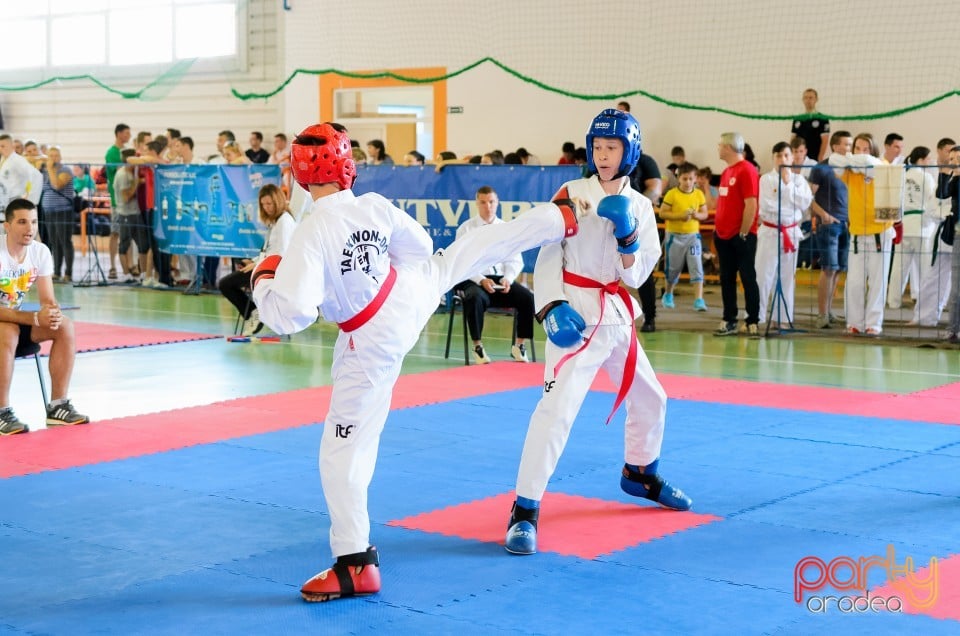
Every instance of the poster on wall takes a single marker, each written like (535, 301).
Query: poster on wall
(211, 210)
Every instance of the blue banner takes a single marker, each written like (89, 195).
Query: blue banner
(211, 210)
(441, 201)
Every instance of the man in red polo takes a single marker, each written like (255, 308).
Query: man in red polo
(736, 236)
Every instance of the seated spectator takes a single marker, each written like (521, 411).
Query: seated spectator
(281, 153)
(233, 155)
(413, 158)
(492, 158)
(275, 214)
(83, 185)
(512, 159)
(568, 150)
(495, 288)
(359, 156)
(377, 153)
(446, 158)
(23, 262)
(256, 152)
(527, 158)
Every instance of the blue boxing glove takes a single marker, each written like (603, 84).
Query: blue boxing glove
(616, 208)
(564, 326)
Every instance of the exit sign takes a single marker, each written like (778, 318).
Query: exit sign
(455, 110)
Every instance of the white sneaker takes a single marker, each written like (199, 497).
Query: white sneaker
(479, 355)
(519, 353)
(252, 325)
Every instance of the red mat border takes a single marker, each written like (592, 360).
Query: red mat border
(138, 435)
(125, 337)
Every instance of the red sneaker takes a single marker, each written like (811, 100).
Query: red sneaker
(355, 574)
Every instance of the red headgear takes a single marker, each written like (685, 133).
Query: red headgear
(321, 154)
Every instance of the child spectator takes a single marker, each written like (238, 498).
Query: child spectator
(784, 196)
(682, 210)
(678, 157)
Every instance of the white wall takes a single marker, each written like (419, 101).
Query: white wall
(542, 121)
(748, 56)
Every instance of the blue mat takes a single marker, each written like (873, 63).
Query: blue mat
(218, 538)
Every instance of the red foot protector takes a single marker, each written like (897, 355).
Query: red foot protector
(570, 525)
(352, 575)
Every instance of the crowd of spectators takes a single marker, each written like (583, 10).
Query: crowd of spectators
(39, 173)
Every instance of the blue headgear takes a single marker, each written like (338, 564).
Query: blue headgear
(623, 126)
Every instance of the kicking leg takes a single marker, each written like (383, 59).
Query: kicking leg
(491, 244)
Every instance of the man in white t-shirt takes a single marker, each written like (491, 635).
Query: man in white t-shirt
(23, 262)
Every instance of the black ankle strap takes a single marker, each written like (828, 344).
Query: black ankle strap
(358, 559)
(519, 513)
(367, 557)
(343, 577)
(653, 482)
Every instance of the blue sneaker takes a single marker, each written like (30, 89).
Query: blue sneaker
(699, 305)
(522, 531)
(650, 485)
(668, 300)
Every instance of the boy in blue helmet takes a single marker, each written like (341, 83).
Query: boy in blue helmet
(589, 319)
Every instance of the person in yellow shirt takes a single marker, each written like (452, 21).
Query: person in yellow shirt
(871, 241)
(682, 210)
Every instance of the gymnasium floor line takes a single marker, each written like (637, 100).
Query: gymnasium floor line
(167, 430)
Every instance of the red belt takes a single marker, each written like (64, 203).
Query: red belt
(788, 245)
(373, 307)
(630, 365)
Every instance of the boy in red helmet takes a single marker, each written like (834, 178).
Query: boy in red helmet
(367, 265)
(577, 283)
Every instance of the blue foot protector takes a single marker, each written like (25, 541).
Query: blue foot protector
(522, 529)
(649, 485)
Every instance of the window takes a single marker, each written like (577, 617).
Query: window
(78, 39)
(24, 44)
(118, 33)
(206, 30)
